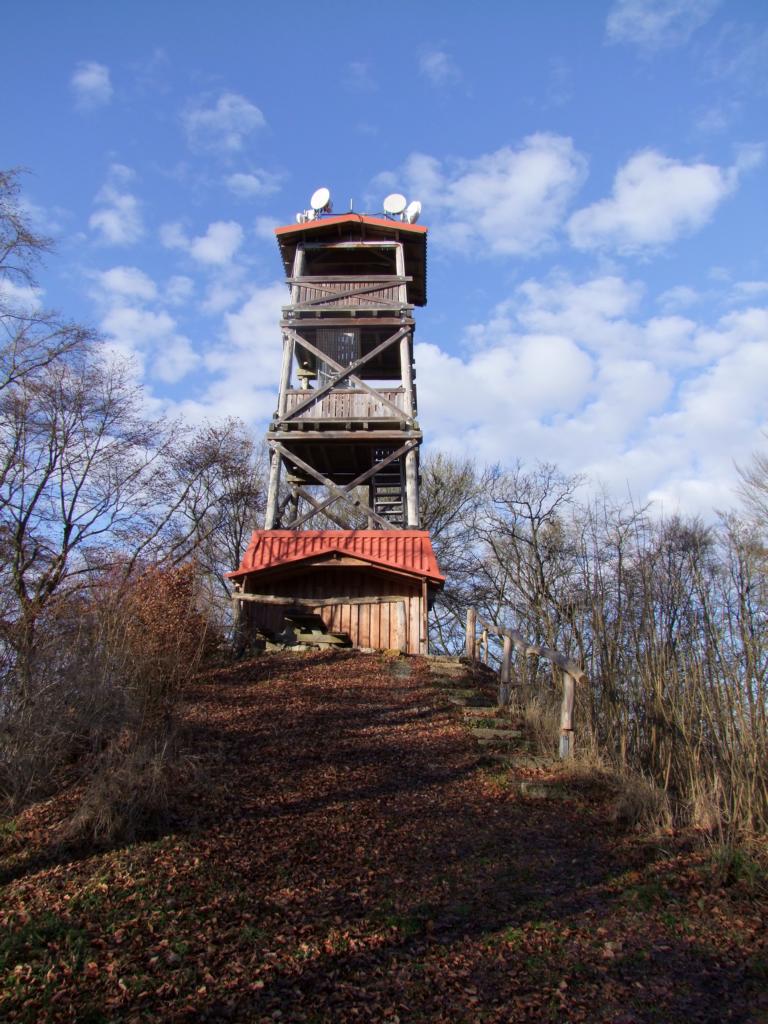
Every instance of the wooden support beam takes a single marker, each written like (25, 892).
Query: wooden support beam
(285, 374)
(361, 479)
(273, 487)
(358, 317)
(326, 482)
(343, 278)
(369, 436)
(314, 602)
(342, 372)
(310, 498)
(412, 489)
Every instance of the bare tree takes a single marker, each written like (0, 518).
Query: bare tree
(753, 488)
(86, 480)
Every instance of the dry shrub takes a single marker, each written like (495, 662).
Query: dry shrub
(108, 674)
(134, 791)
(541, 716)
(162, 639)
(640, 804)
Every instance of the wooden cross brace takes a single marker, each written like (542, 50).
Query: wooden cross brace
(334, 295)
(341, 493)
(343, 372)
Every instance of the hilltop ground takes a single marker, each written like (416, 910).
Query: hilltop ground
(351, 856)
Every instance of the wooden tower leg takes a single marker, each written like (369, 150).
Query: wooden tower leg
(272, 489)
(412, 488)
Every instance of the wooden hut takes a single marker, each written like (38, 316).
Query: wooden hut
(372, 586)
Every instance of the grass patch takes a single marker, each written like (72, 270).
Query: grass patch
(46, 938)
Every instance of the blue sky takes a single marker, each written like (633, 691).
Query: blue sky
(593, 175)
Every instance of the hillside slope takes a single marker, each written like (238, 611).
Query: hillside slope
(350, 856)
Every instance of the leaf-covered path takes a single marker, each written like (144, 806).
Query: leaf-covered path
(352, 858)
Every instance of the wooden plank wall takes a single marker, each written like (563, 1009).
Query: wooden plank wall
(367, 625)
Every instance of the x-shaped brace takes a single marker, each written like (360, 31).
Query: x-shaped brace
(361, 479)
(342, 493)
(342, 372)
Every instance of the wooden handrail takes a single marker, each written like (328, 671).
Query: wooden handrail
(572, 672)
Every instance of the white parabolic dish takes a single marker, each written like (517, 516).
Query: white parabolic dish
(412, 212)
(320, 199)
(395, 203)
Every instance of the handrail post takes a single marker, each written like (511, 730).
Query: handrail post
(471, 627)
(566, 716)
(505, 673)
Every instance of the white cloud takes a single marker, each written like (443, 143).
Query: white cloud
(438, 67)
(129, 282)
(179, 289)
(222, 294)
(216, 247)
(749, 290)
(91, 85)
(19, 297)
(253, 184)
(244, 364)
(173, 235)
(117, 219)
(657, 24)
(219, 244)
(655, 200)
(679, 297)
(511, 201)
(225, 126)
(264, 227)
(174, 359)
(151, 338)
(573, 373)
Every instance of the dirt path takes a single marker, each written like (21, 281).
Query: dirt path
(353, 858)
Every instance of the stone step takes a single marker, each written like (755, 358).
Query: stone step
(497, 724)
(474, 703)
(496, 734)
(448, 668)
(533, 790)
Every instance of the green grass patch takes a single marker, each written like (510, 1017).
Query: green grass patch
(46, 938)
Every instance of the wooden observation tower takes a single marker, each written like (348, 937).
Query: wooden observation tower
(344, 440)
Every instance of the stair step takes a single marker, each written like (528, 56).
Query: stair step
(489, 714)
(496, 734)
(483, 722)
(467, 702)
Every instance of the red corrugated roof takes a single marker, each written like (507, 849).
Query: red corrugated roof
(324, 223)
(404, 550)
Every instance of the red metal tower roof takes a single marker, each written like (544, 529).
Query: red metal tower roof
(407, 551)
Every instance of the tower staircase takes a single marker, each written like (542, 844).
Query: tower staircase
(387, 492)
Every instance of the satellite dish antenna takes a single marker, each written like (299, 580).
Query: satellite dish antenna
(395, 204)
(321, 201)
(413, 211)
(301, 218)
